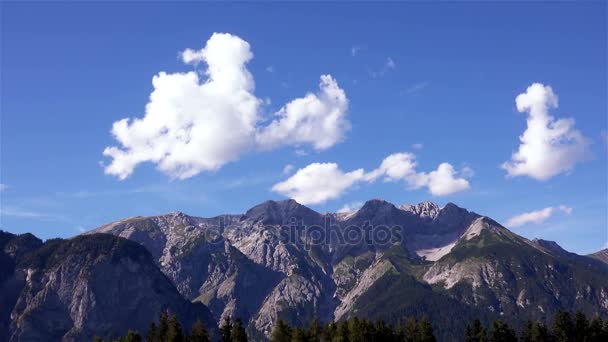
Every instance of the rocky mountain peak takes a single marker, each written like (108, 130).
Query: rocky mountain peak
(282, 212)
(376, 207)
(426, 210)
(379, 212)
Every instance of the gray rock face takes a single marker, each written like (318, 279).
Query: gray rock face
(327, 280)
(94, 285)
(263, 265)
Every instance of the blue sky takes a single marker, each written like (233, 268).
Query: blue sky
(438, 81)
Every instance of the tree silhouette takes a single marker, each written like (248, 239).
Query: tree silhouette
(501, 332)
(425, 331)
(563, 328)
(475, 332)
(238, 331)
(226, 330)
(281, 332)
(198, 333)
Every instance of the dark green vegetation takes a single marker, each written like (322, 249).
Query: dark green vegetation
(169, 329)
(565, 328)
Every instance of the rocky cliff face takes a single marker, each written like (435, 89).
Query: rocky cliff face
(95, 285)
(284, 260)
(446, 252)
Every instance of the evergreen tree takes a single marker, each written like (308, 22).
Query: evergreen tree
(581, 327)
(425, 331)
(501, 332)
(563, 328)
(475, 332)
(329, 332)
(342, 332)
(152, 335)
(540, 333)
(281, 332)
(596, 332)
(315, 331)
(198, 333)
(174, 331)
(238, 331)
(368, 330)
(163, 326)
(383, 332)
(299, 335)
(410, 329)
(526, 333)
(132, 336)
(226, 330)
(355, 330)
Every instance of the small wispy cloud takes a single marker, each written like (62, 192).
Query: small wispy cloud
(3, 187)
(287, 169)
(467, 172)
(417, 146)
(20, 212)
(270, 69)
(350, 207)
(355, 50)
(536, 216)
(416, 88)
(389, 65)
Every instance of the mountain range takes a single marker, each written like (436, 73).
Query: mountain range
(285, 260)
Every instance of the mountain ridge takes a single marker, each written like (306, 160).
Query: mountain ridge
(270, 263)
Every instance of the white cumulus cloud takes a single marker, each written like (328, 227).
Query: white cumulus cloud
(316, 119)
(320, 182)
(548, 146)
(536, 216)
(198, 123)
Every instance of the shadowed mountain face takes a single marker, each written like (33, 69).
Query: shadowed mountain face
(284, 260)
(94, 285)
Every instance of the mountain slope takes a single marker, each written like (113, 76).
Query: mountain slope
(518, 278)
(94, 285)
(600, 255)
(284, 260)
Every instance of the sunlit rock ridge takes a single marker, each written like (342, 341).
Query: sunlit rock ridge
(281, 259)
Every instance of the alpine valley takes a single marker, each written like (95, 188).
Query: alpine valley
(446, 263)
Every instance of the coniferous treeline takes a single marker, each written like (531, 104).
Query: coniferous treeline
(565, 328)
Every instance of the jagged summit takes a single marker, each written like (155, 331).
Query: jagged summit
(426, 210)
(250, 266)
